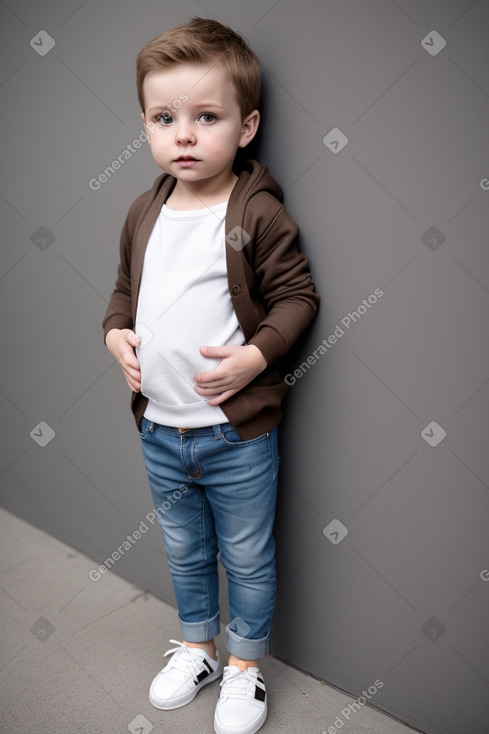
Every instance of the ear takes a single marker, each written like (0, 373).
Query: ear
(249, 128)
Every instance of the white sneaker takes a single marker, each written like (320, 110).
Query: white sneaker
(182, 678)
(242, 705)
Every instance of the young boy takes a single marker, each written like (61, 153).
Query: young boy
(211, 292)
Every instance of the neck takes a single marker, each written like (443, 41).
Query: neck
(201, 194)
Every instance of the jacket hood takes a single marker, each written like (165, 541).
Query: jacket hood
(254, 178)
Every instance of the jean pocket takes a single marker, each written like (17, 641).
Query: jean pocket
(231, 438)
(143, 427)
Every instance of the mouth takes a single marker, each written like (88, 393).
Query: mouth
(185, 159)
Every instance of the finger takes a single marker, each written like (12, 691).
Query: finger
(213, 389)
(132, 379)
(129, 359)
(222, 397)
(134, 385)
(214, 385)
(224, 351)
(132, 375)
(211, 376)
(133, 339)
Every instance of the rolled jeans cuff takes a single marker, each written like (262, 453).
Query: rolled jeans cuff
(200, 631)
(244, 648)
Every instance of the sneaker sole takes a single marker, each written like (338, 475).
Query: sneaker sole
(251, 729)
(185, 699)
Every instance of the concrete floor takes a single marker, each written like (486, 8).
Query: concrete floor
(78, 656)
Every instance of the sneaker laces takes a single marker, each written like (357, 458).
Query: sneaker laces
(236, 683)
(182, 659)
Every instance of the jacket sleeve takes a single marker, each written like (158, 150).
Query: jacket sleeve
(285, 286)
(119, 310)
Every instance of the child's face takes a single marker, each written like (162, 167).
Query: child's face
(193, 121)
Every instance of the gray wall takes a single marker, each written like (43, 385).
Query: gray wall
(403, 207)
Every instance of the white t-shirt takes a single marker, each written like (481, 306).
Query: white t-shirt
(183, 304)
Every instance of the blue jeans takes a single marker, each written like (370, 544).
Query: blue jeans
(215, 493)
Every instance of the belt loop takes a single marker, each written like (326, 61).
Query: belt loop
(217, 431)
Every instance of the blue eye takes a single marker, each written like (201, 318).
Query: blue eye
(164, 118)
(207, 117)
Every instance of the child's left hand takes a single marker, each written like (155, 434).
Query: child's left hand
(239, 365)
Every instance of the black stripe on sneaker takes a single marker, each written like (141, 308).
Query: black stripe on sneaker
(203, 674)
(259, 694)
(209, 668)
(260, 679)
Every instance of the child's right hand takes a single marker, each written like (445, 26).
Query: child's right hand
(121, 343)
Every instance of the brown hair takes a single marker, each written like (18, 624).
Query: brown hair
(202, 41)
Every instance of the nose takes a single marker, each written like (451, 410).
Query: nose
(184, 134)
